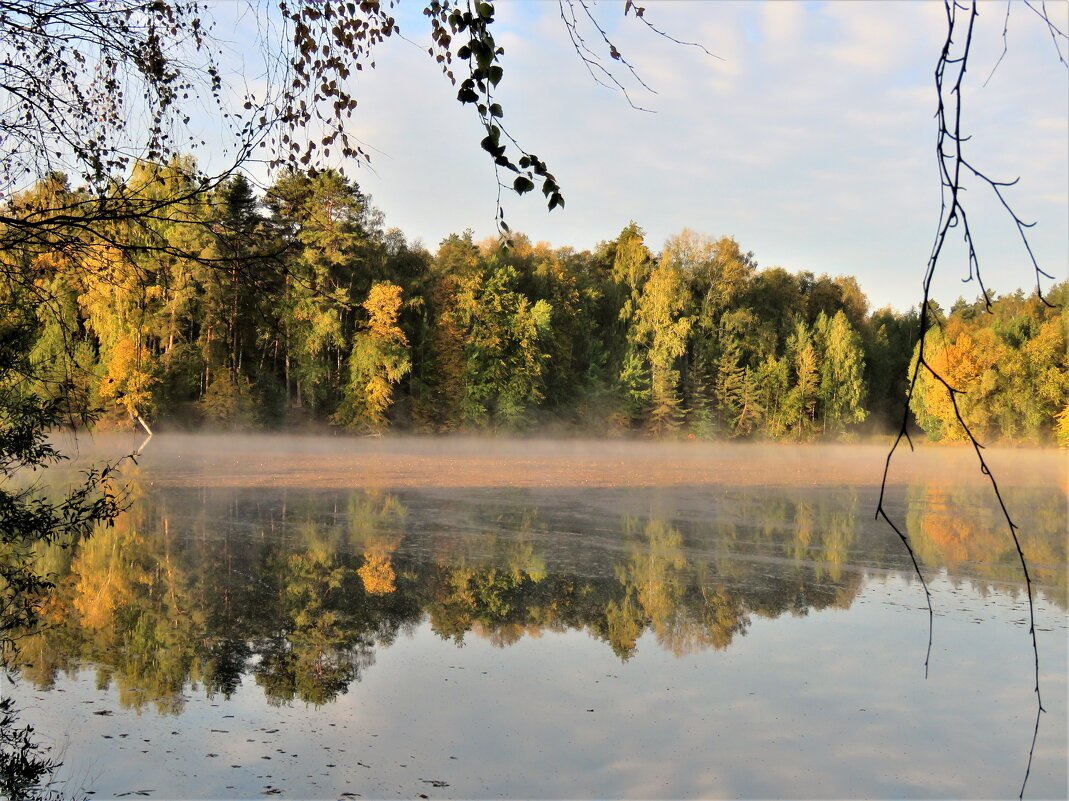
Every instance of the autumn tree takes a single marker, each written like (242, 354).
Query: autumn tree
(1009, 369)
(378, 361)
(660, 328)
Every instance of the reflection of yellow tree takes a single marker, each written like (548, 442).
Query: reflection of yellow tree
(943, 536)
(107, 578)
(654, 575)
(131, 597)
(107, 569)
(625, 625)
(377, 572)
(831, 522)
(687, 607)
(376, 523)
(950, 530)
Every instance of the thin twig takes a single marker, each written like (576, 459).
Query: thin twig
(951, 162)
(1055, 32)
(1005, 43)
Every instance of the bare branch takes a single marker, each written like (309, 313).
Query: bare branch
(1055, 32)
(949, 75)
(641, 15)
(1005, 43)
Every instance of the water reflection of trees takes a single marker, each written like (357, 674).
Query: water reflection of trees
(976, 544)
(297, 590)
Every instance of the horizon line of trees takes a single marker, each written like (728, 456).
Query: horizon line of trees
(237, 310)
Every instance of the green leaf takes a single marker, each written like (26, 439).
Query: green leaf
(522, 184)
(492, 147)
(495, 73)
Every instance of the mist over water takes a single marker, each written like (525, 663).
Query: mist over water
(308, 616)
(338, 461)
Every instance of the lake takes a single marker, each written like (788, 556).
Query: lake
(325, 617)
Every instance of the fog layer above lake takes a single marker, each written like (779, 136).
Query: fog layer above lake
(344, 461)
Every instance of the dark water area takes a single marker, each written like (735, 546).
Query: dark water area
(678, 640)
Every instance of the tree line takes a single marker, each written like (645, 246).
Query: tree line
(236, 309)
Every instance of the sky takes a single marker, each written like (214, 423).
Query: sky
(811, 139)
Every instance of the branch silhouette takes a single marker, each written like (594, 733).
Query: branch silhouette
(949, 75)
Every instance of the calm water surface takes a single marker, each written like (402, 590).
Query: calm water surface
(682, 640)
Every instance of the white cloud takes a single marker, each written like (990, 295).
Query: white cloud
(783, 23)
(879, 37)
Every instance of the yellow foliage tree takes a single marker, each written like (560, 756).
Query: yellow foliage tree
(378, 362)
(966, 363)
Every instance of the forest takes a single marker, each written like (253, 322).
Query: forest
(299, 307)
